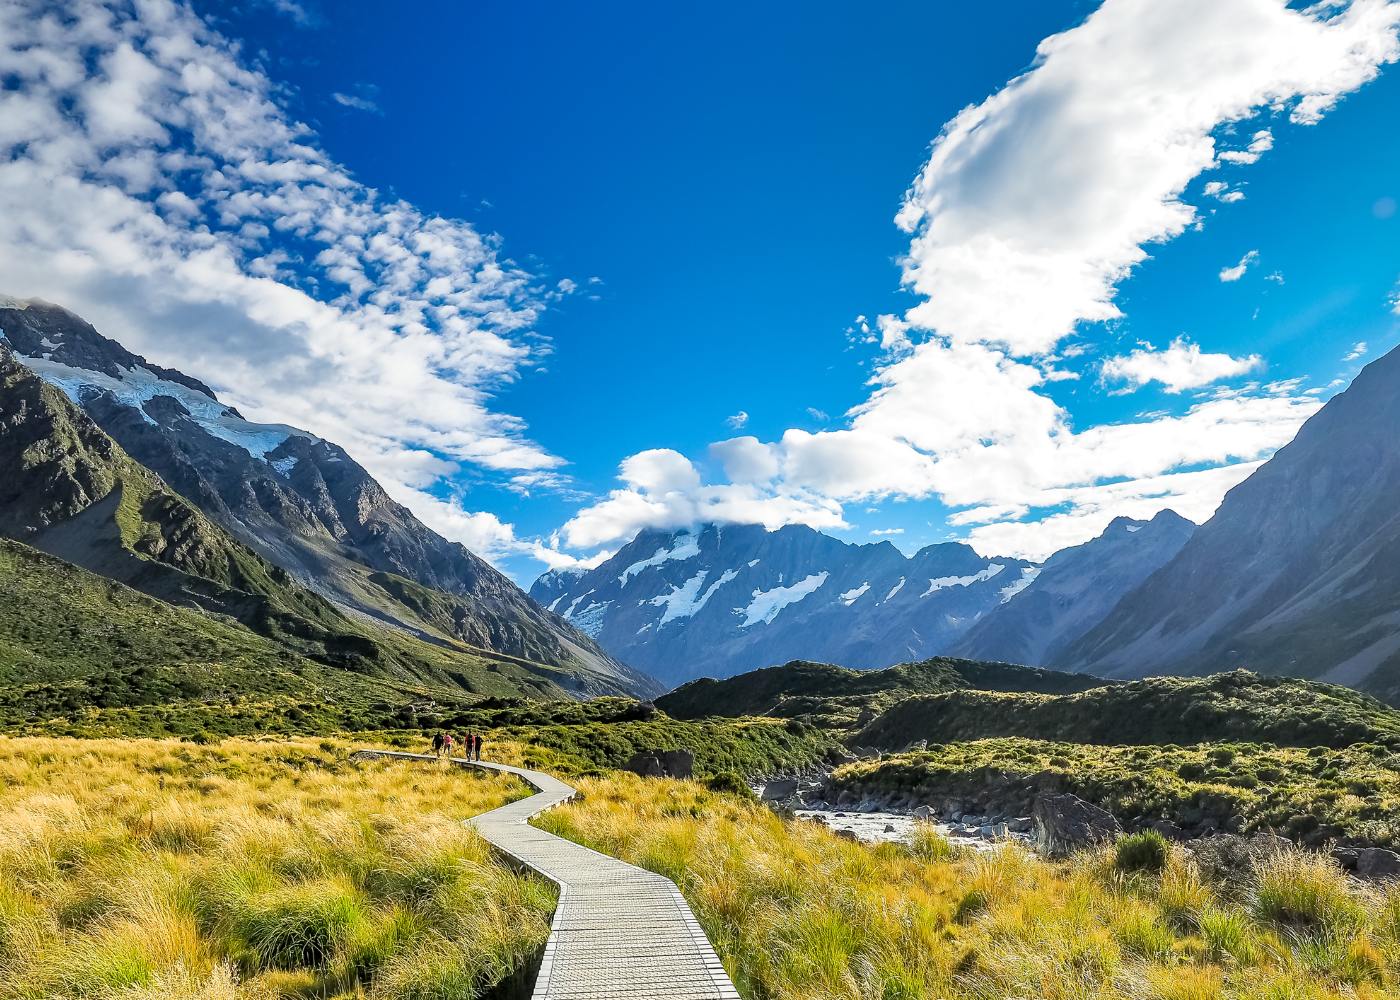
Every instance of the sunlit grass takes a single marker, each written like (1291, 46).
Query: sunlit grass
(138, 870)
(796, 912)
(148, 869)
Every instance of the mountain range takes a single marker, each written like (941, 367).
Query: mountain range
(1297, 573)
(140, 474)
(721, 599)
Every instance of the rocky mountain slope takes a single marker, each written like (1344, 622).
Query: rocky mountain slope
(1075, 590)
(73, 493)
(300, 502)
(1297, 573)
(722, 599)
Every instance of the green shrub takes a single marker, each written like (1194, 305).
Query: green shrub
(730, 783)
(1146, 851)
(1304, 892)
(301, 925)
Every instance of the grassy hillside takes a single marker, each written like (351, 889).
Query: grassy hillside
(1236, 706)
(1313, 794)
(804, 688)
(83, 655)
(276, 869)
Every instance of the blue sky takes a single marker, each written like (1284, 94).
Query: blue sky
(716, 189)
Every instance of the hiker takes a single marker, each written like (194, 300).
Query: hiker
(447, 744)
(467, 746)
(477, 746)
(437, 744)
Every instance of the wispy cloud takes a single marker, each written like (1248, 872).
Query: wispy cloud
(738, 421)
(356, 102)
(1358, 351)
(1236, 272)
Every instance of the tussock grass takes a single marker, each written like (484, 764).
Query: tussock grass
(796, 912)
(136, 870)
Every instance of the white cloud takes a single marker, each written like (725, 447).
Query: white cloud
(356, 102)
(739, 421)
(1236, 272)
(151, 181)
(659, 470)
(1358, 351)
(1032, 208)
(1193, 495)
(1181, 366)
(877, 532)
(1261, 142)
(748, 460)
(1037, 202)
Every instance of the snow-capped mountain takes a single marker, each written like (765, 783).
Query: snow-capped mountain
(1297, 573)
(1075, 589)
(722, 599)
(300, 502)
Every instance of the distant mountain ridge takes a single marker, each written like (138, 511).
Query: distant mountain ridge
(300, 502)
(721, 599)
(1297, 573)
(1075, 590)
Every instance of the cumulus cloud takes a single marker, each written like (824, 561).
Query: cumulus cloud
(151, 181)
(1037, 202)
(1181, 366)
(1032, 208)
(1236, 272)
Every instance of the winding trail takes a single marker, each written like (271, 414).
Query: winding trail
(619, 931)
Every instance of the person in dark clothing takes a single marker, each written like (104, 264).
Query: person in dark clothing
(437, 744)
(477, 747)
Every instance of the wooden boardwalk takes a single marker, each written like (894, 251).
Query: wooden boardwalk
(619, 931)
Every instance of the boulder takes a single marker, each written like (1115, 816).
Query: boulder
(924, 813)
(1065, 823)
(1167, 829)
(1347, 857)
(648, 765)
(678, 763)
(779, 790)
(1021, 824)
(820, 805)
(1377, 863)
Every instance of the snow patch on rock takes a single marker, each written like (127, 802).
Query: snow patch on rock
(767, 604)
(944, 582)
(851, 596)
(138, 386)
(686, 547)
(1028, 576)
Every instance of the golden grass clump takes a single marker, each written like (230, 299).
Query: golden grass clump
(249, 871)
